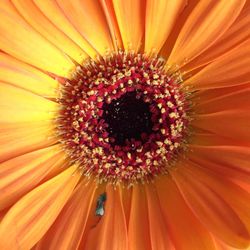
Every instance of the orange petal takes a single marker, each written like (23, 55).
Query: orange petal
(111, 231)
(138, 228)
(159, 234)
(239, 98)
(233, 123)
(42, 25)
(231, 69)
(228, 161)
(29, 219)
(66, 232)
(160, 19)
(184, 228)
(21, 41)
(233, 37)
(130, 18)
(212, 209)
(54, 13)
(89, 20)
(206, 24)
(26, 77)
(109, 12)
(238, 198)
(21, 174)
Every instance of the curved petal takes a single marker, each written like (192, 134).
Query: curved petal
(21, 174)
(42, 25)
(184, 229)
(228, 161)
(26, 77)
(161, 16)
(235, 196)
(233, 123)
(206, 24)
(54, 13)
(111, 231)
(66, 232)
(21, 41)
(89, 20)
(233, 37)
(29, 219)
(130, 18)
(212, 210)
(159, 234)
(138, 227)
(230, 70)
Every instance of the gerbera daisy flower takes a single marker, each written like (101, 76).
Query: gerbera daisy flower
(124, 124)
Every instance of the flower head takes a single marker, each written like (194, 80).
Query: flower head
(124, 124)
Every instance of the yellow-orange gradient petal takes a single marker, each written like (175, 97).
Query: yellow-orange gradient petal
(207, 23)
(21, 41)
(42, 25)
(19, 175)
(67, 231)
(228, 161)
(184, 228)
(159, 235)
(233, 37)
(55, 14)
(111, 231)
(18, 105)
(88, 18)
(108, 9)
(22, 75)
(230, 70)
(130, 18)
(212, 210)
(161, 16)
(29, 219)
(138, 228)
(26, 121)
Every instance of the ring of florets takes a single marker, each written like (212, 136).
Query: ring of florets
(88, 100)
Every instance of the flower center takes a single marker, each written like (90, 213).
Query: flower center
(127, 117)
(123, 117)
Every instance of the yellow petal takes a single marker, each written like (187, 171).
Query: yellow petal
(89, 20)
(21, 174)
(212, 209)
(20, 138)
(18, 105)
(21, 41)
(230, 70)
(56, 16)
(110, 232)
(185, 230)
(67, 231)
(130, 18)
(161, 16)
(42, 25)
(207, 23)
(27, 77)
(29, 219)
